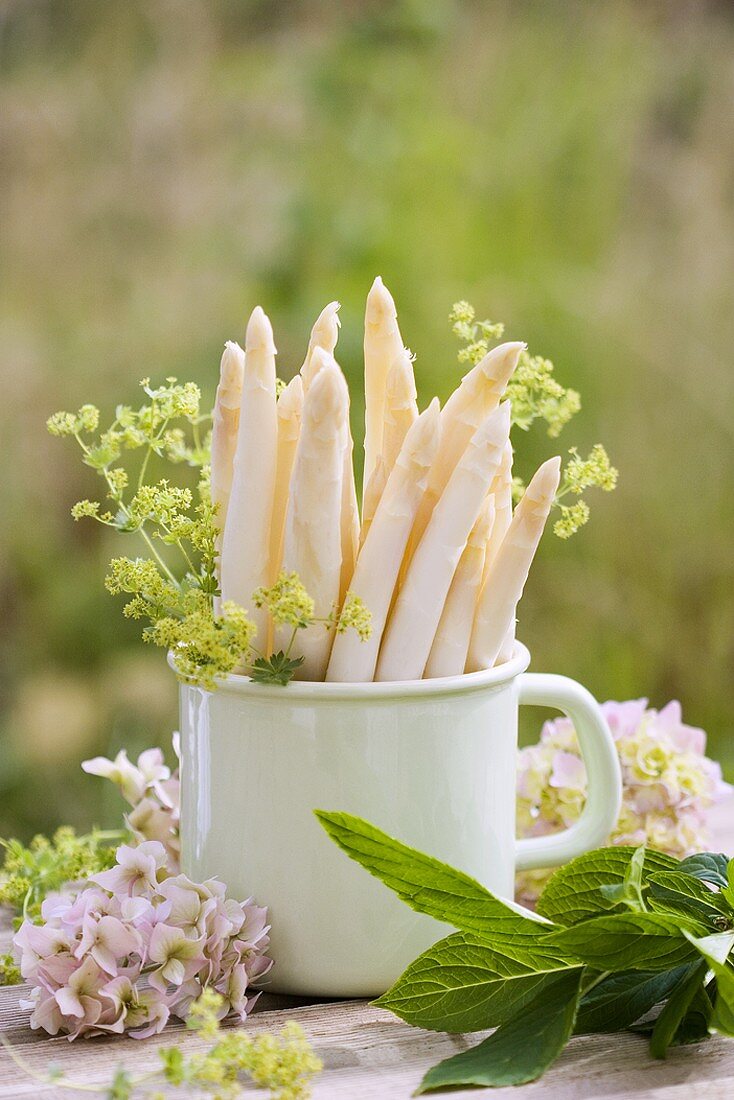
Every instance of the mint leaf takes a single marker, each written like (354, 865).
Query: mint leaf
(621, 999)
(716, 950)
(465, 983)
(628, 941)
(708, 866)
(677, 1006)
(695, 1025)
(426, 884)
(677, 892)
(276, 669)
(573, 892)
(523, 1048)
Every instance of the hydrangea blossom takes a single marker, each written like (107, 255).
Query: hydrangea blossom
(153, 792)
(136, 946)
(668, 783)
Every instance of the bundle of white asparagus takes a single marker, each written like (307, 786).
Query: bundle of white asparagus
(437, 557)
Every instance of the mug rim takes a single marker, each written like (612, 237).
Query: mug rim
(238, 684)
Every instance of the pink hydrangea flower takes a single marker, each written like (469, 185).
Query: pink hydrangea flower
(137, 945)
(668, 783)
(152, 791)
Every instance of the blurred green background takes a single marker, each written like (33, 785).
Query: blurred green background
(567, 167)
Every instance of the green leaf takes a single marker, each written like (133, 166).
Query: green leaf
(523, 1048)
(728, 890)
(716, 950)
(628, 941)
(677, 1006)
(629, 891)
(573, 892)
(465, 983)
(426, 884)
(708, 866)
(621, 999)
(695, 1025)
(276, 669)
(677, 892)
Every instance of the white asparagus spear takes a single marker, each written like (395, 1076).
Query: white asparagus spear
(506, 579)
(417, 611)
(470, 404)
(373, 491)
(352, 660)
(350, 507)
(312, 545)
(290, 410)
(225, 422)
(246, 542)
(502, 489)
(382, 345)
(502, 492)
(401, 410)
(451, 644)
(324, 334)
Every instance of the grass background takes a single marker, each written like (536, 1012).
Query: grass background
(568, 167)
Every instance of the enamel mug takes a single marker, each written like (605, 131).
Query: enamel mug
(431, 762)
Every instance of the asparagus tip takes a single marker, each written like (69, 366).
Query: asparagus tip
(259, 334)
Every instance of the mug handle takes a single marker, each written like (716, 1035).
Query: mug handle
(604, 778)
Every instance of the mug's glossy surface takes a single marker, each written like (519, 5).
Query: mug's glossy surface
(431, 762)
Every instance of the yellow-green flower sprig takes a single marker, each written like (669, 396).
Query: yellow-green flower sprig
(535, 394)
(580, 474)
(284, 1064)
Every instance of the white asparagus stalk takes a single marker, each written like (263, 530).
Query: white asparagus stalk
(451, 644)
(382, 345)
(506, 579)
(289, 410)
(401, 410)
(350, 530)
(470, 404)
(225, 423)
(324, 334)
(502, 492)
(503, 517)
(352, 660)
(246, 542)
(373, 491)
(312, 545)
(417, 611)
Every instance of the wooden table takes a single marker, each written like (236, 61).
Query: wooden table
(368, 1054)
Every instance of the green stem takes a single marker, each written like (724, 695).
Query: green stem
(593, 983)
(158, 558)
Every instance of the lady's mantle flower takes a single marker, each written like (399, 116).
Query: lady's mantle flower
(668, 783)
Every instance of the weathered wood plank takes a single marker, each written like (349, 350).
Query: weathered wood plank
(370, 1055)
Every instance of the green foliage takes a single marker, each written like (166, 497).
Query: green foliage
(468, 982)
(9, 970)
(523, 1048)
(574, 892)
(535, 394)
(632, 947)
(423, 883)
(29, 873)
(279, 668)
(284, 1064)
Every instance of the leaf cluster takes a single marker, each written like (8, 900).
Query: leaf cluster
(624, 938)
